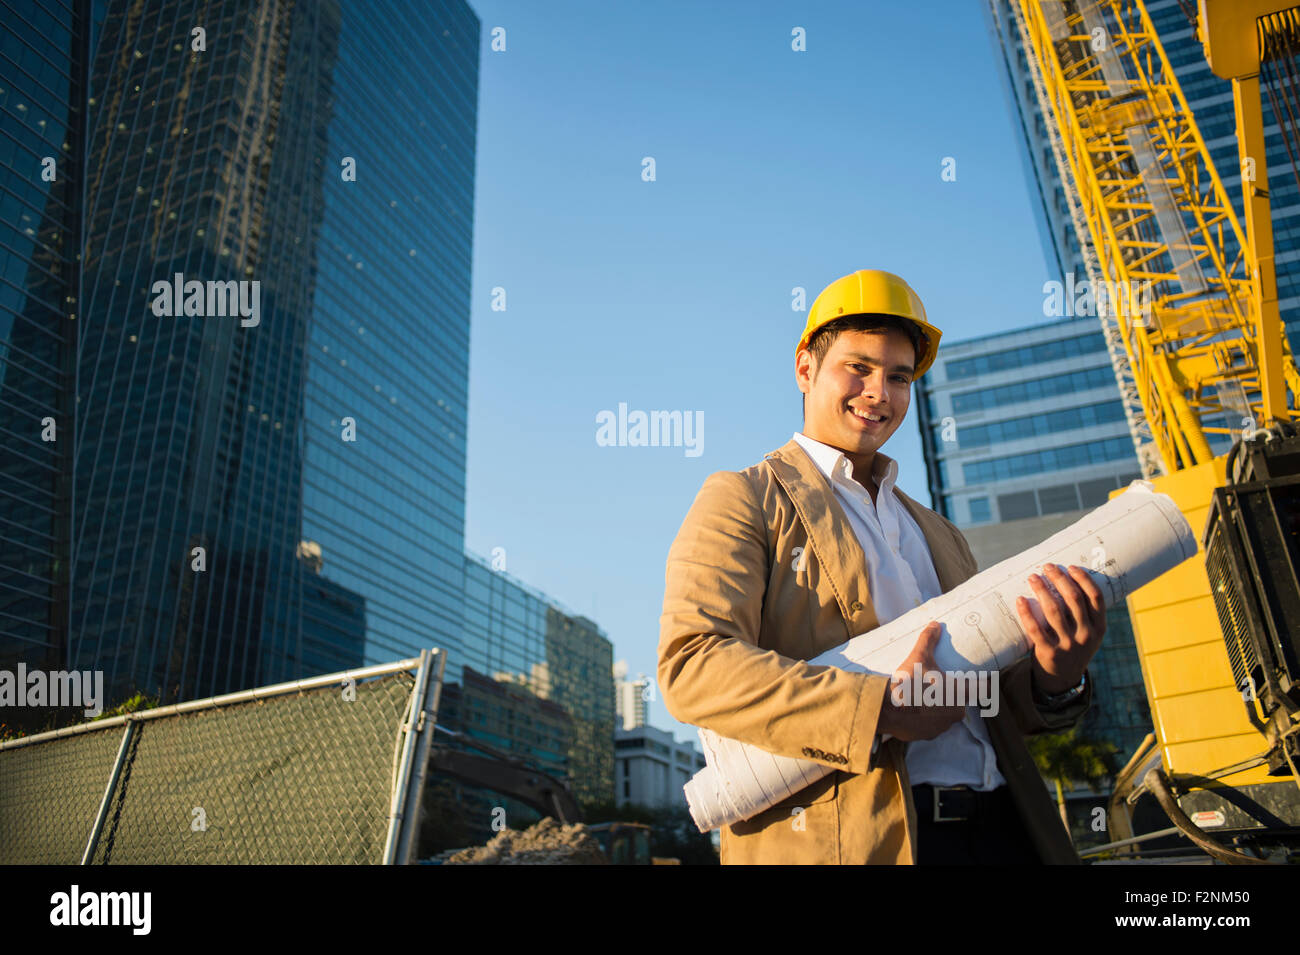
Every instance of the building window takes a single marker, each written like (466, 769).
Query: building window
(979, 510)
(1051, 459)
(1014, 507)
(982, 399)
(1047, 423)
(1060, 497)
(1025, 356)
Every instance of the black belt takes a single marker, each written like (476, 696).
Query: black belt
(959, 803)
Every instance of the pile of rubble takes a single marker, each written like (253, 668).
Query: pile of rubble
(545, 843)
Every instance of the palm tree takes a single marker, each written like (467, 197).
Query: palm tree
(1063, 757)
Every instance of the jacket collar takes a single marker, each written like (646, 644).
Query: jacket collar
(831, 460)
(831, 535)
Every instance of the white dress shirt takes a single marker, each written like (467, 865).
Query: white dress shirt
(901, 576)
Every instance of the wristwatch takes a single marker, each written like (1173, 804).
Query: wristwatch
(1056, 701)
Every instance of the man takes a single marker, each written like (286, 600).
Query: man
(814, 545)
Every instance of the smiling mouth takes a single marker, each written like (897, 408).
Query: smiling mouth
(869, 417)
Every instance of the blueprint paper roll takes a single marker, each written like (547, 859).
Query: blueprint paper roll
(1126, 543)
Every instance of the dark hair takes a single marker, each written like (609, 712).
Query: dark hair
(825, 336)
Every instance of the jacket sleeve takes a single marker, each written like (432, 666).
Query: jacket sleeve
(1016, 681)
(711, 671)
(1017, 692)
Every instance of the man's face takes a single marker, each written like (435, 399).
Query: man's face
(863, 372)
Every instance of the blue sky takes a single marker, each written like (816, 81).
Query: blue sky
(774, 169)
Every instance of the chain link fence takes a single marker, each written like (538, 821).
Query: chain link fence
(327, 770)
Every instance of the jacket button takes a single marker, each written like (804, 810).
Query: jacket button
(855, 606)
(807, 751)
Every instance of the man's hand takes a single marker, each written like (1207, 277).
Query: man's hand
(1073, 631)
(916, 722)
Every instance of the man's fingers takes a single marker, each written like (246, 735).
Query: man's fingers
(1053, 610)
(1092, 594)
(1070, 591)
(933, 716)
(1089, 587)
(1058, 612)
(1033, 629)
(925, 643)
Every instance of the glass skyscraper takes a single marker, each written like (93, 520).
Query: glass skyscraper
(1024, 424)
(238, 421)
(388, 350)
(189, 431)
(235, 423)
(517, 635)
(44, 72)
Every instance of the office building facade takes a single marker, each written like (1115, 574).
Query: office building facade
(240, 411)
(518, 636)
(386, 390)
(45, 62)
(652, 767)
(253, 380)
(1023, 425)
(631, 697)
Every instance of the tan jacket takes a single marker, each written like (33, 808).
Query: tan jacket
(739, 620)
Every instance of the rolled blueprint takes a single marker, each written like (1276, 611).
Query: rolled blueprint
(1125, 544)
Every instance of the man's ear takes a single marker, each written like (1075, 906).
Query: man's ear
(804, 364)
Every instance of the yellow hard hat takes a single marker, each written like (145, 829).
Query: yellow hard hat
(873, 292)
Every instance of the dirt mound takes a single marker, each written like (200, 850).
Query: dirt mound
(545, 843)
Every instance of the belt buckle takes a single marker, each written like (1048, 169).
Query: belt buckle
(938, 815)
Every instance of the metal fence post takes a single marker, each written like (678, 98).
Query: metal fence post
(93, 842)
(413, 718)
(409, 834)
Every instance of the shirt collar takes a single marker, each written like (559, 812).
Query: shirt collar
(832, 461)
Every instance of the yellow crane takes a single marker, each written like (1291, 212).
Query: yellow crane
(1200, 354)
